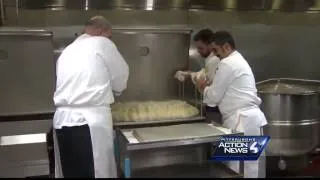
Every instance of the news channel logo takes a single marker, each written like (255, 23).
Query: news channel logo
(243, 148)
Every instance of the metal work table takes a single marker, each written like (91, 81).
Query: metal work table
(128, 125)
(130, 155)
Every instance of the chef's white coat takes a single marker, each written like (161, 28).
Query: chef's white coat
(88, 71)
(234, 91)
(211, 64)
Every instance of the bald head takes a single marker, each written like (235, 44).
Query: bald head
(98, 26)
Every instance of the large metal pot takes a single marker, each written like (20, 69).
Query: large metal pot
(292, 115)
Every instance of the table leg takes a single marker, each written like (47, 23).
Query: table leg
(242, 168)
(116, 150)
(127, 168)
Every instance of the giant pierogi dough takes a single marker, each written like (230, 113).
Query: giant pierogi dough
(152, 110)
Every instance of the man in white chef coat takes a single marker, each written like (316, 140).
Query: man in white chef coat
(89, 72)
(234, 91)
(202, 41)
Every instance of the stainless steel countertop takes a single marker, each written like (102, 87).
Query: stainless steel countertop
(128, 146)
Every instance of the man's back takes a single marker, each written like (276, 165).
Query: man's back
(82, 74)
(89, 71)
(241, 91)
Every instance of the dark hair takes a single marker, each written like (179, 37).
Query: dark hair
(204, 35)
(222, 37)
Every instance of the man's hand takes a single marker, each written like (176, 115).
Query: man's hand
(194, 77)
(181, 75)
(201, 84)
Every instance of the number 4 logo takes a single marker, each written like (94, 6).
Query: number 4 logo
(253, 148)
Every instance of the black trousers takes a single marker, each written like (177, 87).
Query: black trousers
(76, 154)
(50, 149)
(213, 114)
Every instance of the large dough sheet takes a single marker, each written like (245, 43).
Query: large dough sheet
(152, 110)
(176, 132)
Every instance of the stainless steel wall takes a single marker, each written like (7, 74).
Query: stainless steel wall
(275, 44)
(153, 58)
(269, 41)
(26, 72)
(153, 55)
(1, 12)
(234, 5)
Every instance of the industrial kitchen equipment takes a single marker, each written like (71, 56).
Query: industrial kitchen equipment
(151, 152)
(291, 107)
(26, 106)
(27, 71)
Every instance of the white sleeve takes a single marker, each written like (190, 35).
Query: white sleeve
(118, 69)
(212, 66)
(223, 78)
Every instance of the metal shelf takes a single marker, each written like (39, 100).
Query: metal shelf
(205, 170)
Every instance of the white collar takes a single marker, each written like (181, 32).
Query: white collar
(83, 36)
(210, 56)
(231, 54)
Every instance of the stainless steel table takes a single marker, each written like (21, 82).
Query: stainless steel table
(128, 153)
(128, 125)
